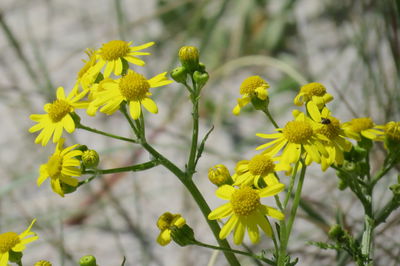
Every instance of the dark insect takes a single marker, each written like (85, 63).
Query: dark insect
(325, 121)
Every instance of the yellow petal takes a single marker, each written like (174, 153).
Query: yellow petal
(150, 105)
(134, 109)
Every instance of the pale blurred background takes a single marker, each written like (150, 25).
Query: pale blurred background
(352, 47)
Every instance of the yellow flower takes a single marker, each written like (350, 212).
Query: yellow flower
(88, 73)
(253, 86)
(111, 55)
(58, 116)
(249, 172)
(331, 129)
(61, 167)
(246, 211)
(132, 88)
(363, 127)
(315, 92)
(164, 223)
(43, 263)
(297, 138)
(219, 175)
(11, 241)
(392, 131)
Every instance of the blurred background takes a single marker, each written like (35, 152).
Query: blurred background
(352, 47)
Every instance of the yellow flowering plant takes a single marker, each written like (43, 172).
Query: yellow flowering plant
(107, 83)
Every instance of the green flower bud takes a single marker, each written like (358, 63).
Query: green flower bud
(200, 78)
(90, 158)
(336, 232)
(395, 189)
(183, 236)
(87, 260)
(67, 189)
(14, 256)
(43, 263)
(189, 57)
(202, 67)
(219, 175)
(349, 166)
(179, 74)
(342, 184)
(259, 104)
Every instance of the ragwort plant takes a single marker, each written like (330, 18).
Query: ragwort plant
(107, 84)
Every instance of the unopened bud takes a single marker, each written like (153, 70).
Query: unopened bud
(189, 57)
(183, 236)
(90, 158)
(336, 232)
(43, 263)
(87, 260)
(219, 175)
(200, 78)
(179, 74)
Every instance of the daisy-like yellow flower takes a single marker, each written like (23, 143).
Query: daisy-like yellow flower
(331, 129)
(58, 116)
(88, 73)
(363, 127)
(245, 211)
(392, 131)
(112, 53)
(11, 241)
(251, 87)
(164, 223)
(132, 88)
(249, 172)
(315, 92)
(61, 167)
(296, 138)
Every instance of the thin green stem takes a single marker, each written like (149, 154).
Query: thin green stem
(80, 126)
(390, 206)
(125, 113)
(291, 185)
(285, 230)
(268, 114)
(132, 168)
(195, 133)
(252, 255)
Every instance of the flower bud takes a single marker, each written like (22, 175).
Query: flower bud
(183, 236)
(67, 189)
(15, 256)
(189, 57)
(219, 175)
(200, 78)
(43, 263)
(90, 158)
(336, 232)
(87, 260)
(179, 74)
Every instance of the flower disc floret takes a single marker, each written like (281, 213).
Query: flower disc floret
(313, 89)
(134, 86)
(114, 50)
(245, 201)
(261, 164)
(250, 84)
(59, 109)
(8, 241)
(298, 131)
(330, 127)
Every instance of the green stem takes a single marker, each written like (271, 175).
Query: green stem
(287, 229)
(291, 185)
(80, 126)
(268, 114)
(382, 172)
(252, 255)
(133, 168)
(123, 110)
(195, 133)
(205, 209)
(390, 206)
